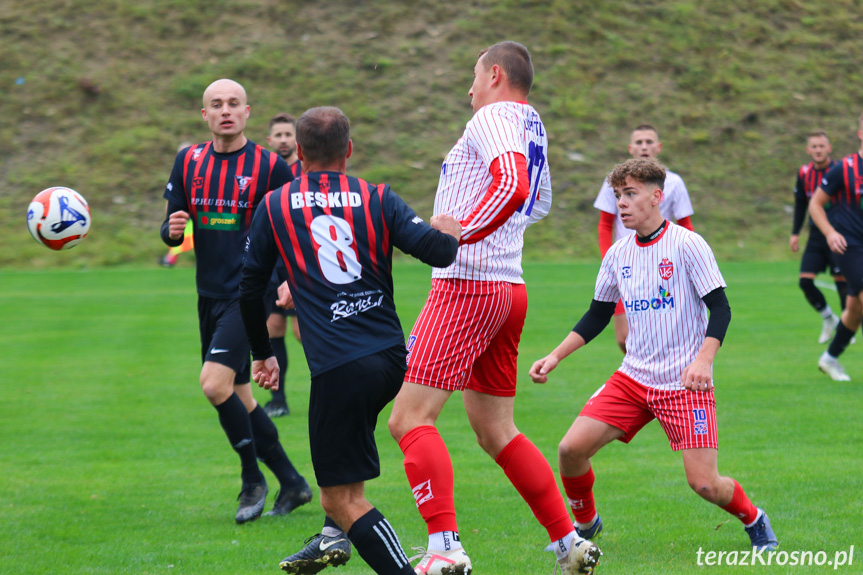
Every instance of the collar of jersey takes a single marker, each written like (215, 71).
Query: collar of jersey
(663, 228)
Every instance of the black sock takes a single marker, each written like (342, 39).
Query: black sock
(813, 294)
(842, 290)
(235, 421)
(378, 545)
(270, 450)
(281, 353)
(840, 340)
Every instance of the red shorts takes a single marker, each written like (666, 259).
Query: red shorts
(467, 335)
(687, 417)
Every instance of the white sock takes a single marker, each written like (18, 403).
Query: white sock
(328, 531)
(590, 524)
(444, 541)
(827, 313)
(562, 546)
(757, 517)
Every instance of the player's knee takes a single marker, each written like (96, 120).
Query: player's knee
(806, 283)
(214, 391)
(705, 486)
(573, 452)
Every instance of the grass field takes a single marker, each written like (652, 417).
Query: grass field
(113, 462)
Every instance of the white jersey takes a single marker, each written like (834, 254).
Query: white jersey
(494, 131)
(661, 284)
(675, 204)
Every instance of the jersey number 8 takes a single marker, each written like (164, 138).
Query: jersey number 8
(336, 257)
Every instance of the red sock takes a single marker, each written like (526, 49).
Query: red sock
(530, 473)
(740, 506)
(579, 491)
(429, 470)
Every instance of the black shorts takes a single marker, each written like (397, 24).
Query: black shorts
(851, 263)
(817, 256)
(223, 335)
(343, 412)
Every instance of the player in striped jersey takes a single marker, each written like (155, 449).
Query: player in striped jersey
(668, 279)
(218, 185)
(281, 139)
(676, 206)
(335, 234)
(817, 256)
(496, 182)
(843, 187)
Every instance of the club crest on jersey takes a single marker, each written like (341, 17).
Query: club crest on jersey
(663, 303)
(666, 269)
(626, 272)
(196, 153)
(243, 183)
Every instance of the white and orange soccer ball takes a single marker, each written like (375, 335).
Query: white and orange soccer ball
(58, 218)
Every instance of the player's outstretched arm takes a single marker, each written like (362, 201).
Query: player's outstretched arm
(265, 372)
(446, 224)
(542, 367)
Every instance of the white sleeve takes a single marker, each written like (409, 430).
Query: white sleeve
(606, 280)
(682, 206)
(701, 265)
(605, 200)
(542, 205)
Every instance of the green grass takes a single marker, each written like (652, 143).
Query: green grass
(732, 86)
(113, 462)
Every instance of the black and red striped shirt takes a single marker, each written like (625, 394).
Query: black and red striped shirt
(808, 179)
(336, 234)
(844, 184)
(221, 193)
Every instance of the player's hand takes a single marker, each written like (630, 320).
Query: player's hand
(698, 376)
(177, 224)
(542, 367)
(837, 242)
(446, 224)
(286, 300)
(794, 243)
(265, 372)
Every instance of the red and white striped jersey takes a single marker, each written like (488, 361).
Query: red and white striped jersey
(661, 284)
(497, 131)
(675, 204)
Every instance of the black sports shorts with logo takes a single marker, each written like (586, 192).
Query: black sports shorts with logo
(343, 412)
(223, 335)
(817, 256)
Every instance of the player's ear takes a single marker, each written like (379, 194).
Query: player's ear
(300, 152)
(350, 149)
(204, 113)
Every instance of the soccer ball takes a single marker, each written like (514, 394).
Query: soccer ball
(58, 218)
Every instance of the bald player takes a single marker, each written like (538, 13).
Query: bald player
(668, 280)
(218, 185)
(676, 206)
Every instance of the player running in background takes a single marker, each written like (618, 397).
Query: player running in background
(817, 256)
(676, 206)
(842, 186)
(668, 279)
(496, 181)
(282, 140)
(217, 185)
(336, 233)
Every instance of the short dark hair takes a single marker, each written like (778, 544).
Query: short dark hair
(514, 60)
(283, 118)
(644, 170)
(644, 127)
(323, 134)
(817, 134)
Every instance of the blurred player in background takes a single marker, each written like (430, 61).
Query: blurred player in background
(668, 279)
(842, 186)
(335, 234)
(496, 181)
(676, 206)
(217, 185)
(282, 140)
(817, 256)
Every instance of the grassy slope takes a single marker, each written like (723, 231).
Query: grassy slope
(114, 463)
(733, 86)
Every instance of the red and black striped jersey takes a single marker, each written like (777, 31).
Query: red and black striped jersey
(808, 179)
(844, 184)
(221, 193)
(336, 234)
